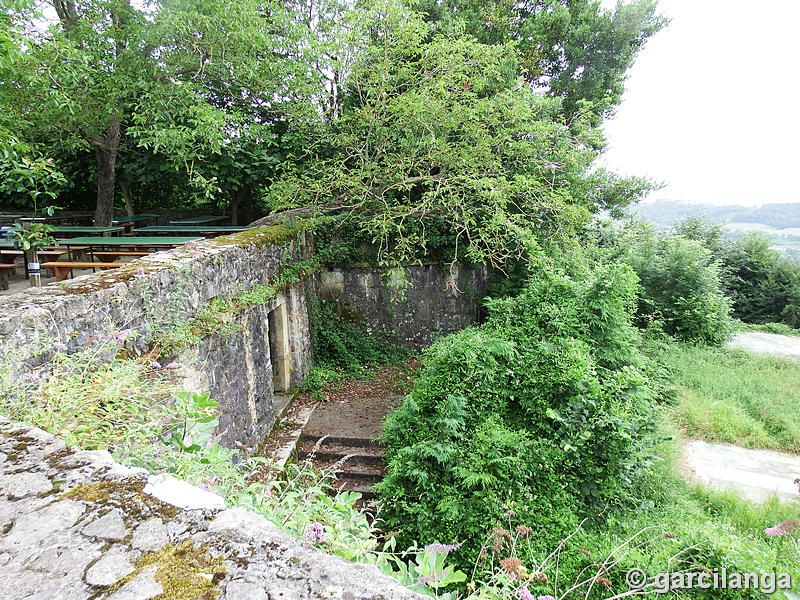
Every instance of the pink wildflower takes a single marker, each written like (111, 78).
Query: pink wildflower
(60, 347)
(315, 533)
(140, 271)
(429, 579)
(782, 529)
(172, 366)
(547, 597)
(155, 364)
(442, 548)
(525, 593)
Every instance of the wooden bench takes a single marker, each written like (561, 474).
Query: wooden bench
(4, 271)
(61, 269)
(50, 255)
(9, 257)
(111, 255)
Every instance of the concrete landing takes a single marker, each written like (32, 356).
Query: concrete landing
(352, 418)
(766, 343)
(755, 474)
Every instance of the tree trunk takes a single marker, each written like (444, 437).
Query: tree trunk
(235, 209)
(125, 188)
(243, 199)
(105, 149)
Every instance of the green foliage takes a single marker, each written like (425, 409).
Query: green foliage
(343, 241)
(777, 328)
(204, 88)
(573, 49)
(26, 177)
(763, 285)
(342, 347)
(696, 529)
(32, 236)
(680, 283)
(545, 410)
(479, 151)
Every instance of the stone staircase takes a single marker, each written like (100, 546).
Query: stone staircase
(357, 462)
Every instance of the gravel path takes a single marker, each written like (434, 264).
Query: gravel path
(766, 343)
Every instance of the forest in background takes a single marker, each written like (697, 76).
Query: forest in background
(779, 222)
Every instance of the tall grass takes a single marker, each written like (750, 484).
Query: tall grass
(733, 396)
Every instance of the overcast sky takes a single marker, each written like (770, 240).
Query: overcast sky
(712, 106)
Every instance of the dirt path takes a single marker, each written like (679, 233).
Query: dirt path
(754, 474)
(766, 343)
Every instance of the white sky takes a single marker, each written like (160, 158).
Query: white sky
(712, 106)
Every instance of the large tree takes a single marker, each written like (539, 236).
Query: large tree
(180, 79)
(572, 49)
(439, 125)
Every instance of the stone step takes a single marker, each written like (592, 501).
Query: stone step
(332, 440)
(372, 455)
(282, 402)
(351, 471)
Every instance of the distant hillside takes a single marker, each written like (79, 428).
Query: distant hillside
(779, 222)
(666, 212)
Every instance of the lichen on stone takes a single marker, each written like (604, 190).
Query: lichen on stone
(126, 494)
(185, 572)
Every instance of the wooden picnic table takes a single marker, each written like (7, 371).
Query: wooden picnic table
(95, 243)
(101, 244)
(83, 216)
(104, 231)
(9, 257)
(187, 229)
(129, 221)
(198, 220)
(134, 218)
(142, 242)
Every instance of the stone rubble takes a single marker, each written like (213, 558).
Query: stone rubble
(77, 526)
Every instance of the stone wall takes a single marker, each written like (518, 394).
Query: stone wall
(167, 288)
(440, 300)
(77, 526)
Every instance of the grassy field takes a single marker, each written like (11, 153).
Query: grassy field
(703, 526)
(732, 396)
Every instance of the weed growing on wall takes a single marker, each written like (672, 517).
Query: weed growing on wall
(221, 316)
(342, 347)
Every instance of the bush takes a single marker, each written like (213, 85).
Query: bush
(544, 410)
(680, 284)
(764, 286)
(342, 347)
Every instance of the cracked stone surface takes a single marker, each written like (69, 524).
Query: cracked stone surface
(112, 567)
(108, 527)
(78, 526)
(150, 536)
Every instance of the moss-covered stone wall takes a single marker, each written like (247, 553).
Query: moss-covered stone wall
(158, 297)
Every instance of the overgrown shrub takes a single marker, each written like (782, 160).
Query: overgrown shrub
(544, 410)
(763, 285)
(680, 284)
